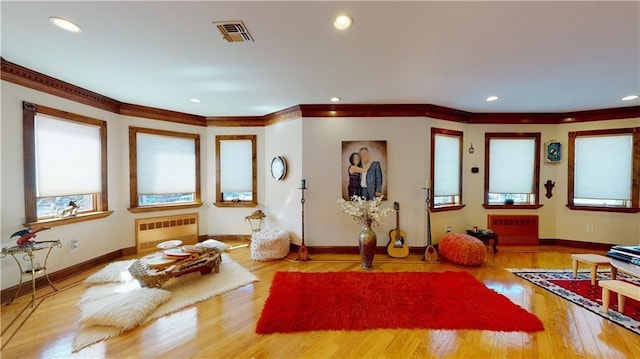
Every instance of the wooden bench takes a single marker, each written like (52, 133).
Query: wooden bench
(593, 261)
(624, 290)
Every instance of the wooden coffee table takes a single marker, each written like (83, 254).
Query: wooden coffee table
(157, 274)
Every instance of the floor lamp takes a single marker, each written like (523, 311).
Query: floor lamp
(303, 254)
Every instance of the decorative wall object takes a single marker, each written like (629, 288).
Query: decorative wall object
(364, 169)
(553, 151)
(549, 186)
(278, 168)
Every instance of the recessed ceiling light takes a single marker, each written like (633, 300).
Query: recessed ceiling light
(65, 24)
(342, 22)
(630, 97)
(195, 100)
(491, 98)
(335, 99)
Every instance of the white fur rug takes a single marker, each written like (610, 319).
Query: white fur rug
(107, 310)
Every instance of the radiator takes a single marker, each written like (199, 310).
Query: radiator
(514, 229)
(151, 231)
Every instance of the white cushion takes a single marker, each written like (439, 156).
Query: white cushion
(123, 310)
(112, 273)
(213, 243)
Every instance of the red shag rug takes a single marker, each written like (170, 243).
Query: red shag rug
(580, 291)
(415, 300)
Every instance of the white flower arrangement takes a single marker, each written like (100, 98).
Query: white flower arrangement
(364, 212)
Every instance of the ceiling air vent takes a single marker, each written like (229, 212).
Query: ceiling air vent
(233, 31)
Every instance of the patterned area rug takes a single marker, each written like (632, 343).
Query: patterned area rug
(580, 291)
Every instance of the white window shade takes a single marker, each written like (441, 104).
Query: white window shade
(446, 166)
(603, 167)
(68, 157)
(236, 166)
(511, 165)
(166, 164)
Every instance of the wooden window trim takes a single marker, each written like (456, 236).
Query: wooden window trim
(635, 183)
(134, 206)
(254, 156)
(29, 112)
(536, 171)
(453, 133)
(55, 222)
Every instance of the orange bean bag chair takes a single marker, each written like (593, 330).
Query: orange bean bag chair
(462, 249)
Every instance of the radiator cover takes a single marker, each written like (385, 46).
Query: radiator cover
(514, 229)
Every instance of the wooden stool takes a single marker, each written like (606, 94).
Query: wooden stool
(592, 260)
(624, 289)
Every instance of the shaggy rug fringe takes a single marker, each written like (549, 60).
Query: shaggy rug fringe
(185, 291)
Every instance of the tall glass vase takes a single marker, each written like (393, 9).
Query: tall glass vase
(368, 242)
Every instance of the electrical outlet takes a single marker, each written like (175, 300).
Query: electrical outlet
(589, 229)
(73, 245)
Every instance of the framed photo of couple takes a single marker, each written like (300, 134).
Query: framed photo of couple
(364, 169)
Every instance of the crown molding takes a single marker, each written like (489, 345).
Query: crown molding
(160, 114)
(28, 78)
(236, 121)
(40, 82)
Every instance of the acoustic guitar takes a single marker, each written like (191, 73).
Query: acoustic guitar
(397, 246)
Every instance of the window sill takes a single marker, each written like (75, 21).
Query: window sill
(166, 207)
(604, 209)
(512, 206)
(55, 222)
(447, 208)
(235, 204)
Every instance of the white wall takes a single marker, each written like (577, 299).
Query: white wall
(282, 204)
(96, 237)
(408, 153)
(312, 147)
(608, 227)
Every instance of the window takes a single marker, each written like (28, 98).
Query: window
(512, 175)
(236, 171)
(604, 170)
(164, 170)
(446, 169)
(65, 161)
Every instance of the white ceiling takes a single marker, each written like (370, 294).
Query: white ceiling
(537, 56)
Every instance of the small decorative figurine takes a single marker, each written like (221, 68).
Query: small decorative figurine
(70, 211)
(27, 235)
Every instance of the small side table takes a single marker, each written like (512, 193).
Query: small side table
(28, 250)
(593, 261)
(485, 237)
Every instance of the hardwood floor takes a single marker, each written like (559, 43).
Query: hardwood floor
(224, 326)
